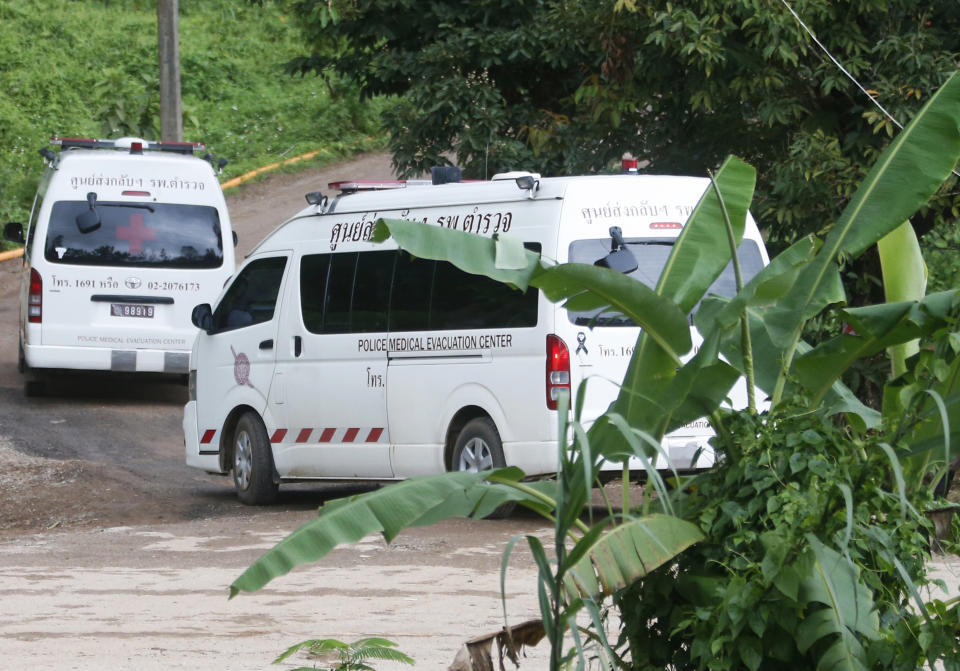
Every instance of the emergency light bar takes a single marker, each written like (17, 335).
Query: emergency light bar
(135, 145)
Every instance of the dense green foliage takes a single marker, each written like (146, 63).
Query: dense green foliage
(748, 597)
(565, 87)
(88, 68)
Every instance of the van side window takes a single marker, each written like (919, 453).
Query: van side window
(410, 302)
(391, 291)
(252, 297)
(336, 306)
(371, 292)
(462, 300)
(313, 287)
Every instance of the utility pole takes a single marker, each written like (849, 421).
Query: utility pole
(168, 42)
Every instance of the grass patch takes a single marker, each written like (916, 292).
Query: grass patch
(88, 68)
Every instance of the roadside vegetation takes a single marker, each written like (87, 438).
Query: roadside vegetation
(88, 68)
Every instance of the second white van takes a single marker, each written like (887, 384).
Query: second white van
(125, 236)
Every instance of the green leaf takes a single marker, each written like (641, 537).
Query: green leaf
(660, 318)
(878, 327)
(468, 252)
(904, 279)
(628, 552)
(414, 502)
(834, 581)
(904, 177)
(698, 257)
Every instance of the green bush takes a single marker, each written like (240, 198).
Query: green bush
(88, 68)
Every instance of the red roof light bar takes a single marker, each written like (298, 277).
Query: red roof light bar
(94, 143)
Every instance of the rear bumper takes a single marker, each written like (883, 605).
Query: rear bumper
(173, 362)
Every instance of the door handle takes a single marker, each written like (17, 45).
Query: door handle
(297, 346)
(266, 344)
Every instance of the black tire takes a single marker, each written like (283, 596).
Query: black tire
(253, 462)
(34, 382)
(34, 388)
(479, 448)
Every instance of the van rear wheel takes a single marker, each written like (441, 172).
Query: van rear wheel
(478, 448)
(253, 462)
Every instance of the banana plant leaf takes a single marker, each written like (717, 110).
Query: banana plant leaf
(833, 581)
(904, 177)
(468, 252)
(415, 502)
(878, 327)
(904, 279)
(589, 287)
(584, 285)
(700, 386)
(698, 257)
(600, 565)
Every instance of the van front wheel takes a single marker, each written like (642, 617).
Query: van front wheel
(478, 448)
(253, 462)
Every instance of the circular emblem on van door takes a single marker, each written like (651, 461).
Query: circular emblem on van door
(132, 282)
(241, 368)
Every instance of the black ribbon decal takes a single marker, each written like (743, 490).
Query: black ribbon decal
(581, 343)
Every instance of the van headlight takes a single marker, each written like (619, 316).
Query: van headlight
(192, 385)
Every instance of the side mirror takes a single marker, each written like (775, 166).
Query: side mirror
(620, 258)
(13, 232)
(202, 317)
(89, 221)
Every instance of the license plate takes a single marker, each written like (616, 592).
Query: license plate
(131, 310)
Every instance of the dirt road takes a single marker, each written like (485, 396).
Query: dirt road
(113, 554)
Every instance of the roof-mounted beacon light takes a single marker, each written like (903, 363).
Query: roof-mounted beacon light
(316, 198)
(445, 174)
(629, 165)
(528, 183)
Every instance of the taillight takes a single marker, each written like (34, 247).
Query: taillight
(35, 298)
(558, 369)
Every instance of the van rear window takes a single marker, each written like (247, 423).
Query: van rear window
(651, 256)
(155, 235)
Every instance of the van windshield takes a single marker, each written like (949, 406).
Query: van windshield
(651, 255)
(155, 235)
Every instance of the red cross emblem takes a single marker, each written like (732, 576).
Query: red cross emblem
(136, 233)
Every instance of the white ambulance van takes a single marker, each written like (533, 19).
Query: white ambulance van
(125, 237)
(332, 357)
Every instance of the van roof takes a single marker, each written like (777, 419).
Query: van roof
(505, 188)
(411, 196)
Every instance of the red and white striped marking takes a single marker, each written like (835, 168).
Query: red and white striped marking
(365, 434)
(330, 435)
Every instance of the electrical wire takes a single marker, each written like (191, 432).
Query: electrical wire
(837, 63)
(844, 70)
